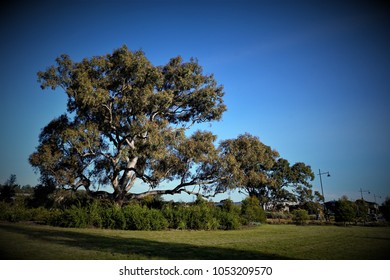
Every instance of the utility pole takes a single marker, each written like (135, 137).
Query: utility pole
(362, 191)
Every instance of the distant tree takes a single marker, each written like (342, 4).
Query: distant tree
(256, 169)
(8, 189)
(345, 211)
(126, 121)
(11, 181)
(309, 201)
(27, 189)
(229, 206)
(361, 210)
(41, 196)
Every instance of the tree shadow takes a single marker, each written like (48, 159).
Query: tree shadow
(377, 238)
(142, 248)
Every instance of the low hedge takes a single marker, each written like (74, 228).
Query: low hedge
(201, 215)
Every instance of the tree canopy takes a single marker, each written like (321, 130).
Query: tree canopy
(345, 210)
(7, 190)
(128, 120)
(259, 171)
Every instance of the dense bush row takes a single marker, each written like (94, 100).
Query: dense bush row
(76, 209)
(200, 215)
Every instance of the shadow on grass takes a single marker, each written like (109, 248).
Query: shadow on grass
(378, 238)
(141, 248)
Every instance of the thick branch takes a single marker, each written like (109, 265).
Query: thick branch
(179, 189)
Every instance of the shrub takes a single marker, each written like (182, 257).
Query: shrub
(40, 215)
(112, 217)
(196, 217)
(118, 218)
(201, 216)
(169, 214)
(157, 220)
(176, 215)
(152, 201)
(228, 215)
(54, 217)
(300, 216)
(345, 211)
(94, 211)
(14, 212)
(136, 217)
(251, 211)
(142, 218)
(229, 220)
(75, 216)
(361, 210)
(229, 206)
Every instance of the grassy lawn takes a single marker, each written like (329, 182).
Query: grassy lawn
(26, 241)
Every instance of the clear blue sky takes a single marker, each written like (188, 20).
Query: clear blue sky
(311, 79)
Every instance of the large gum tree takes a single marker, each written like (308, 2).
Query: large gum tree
(257, 170)
(126, 121)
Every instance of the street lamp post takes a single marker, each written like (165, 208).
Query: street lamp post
(322, 188)
(362, 191)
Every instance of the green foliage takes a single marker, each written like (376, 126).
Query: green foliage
(95, 213)
(279, 215)
(313, 208)
(18, 211)
(142, 218)
(309, 201)
(157, 220)
(345, 211)
(40, 215)
(228, 205)
(123, 109)
(259, 170)
(201, 217)
(117, 217)
(42, 196)
(14, 212)
(54, 217)
(229, 215)
(361, 211)
(176, 215)
(300, 216)
(109, 217)
(152, 201)
(136, 217)
(229, 220)
(8, 190)
(74, 217)
(251, 211)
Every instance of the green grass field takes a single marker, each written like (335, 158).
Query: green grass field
(28, 241)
